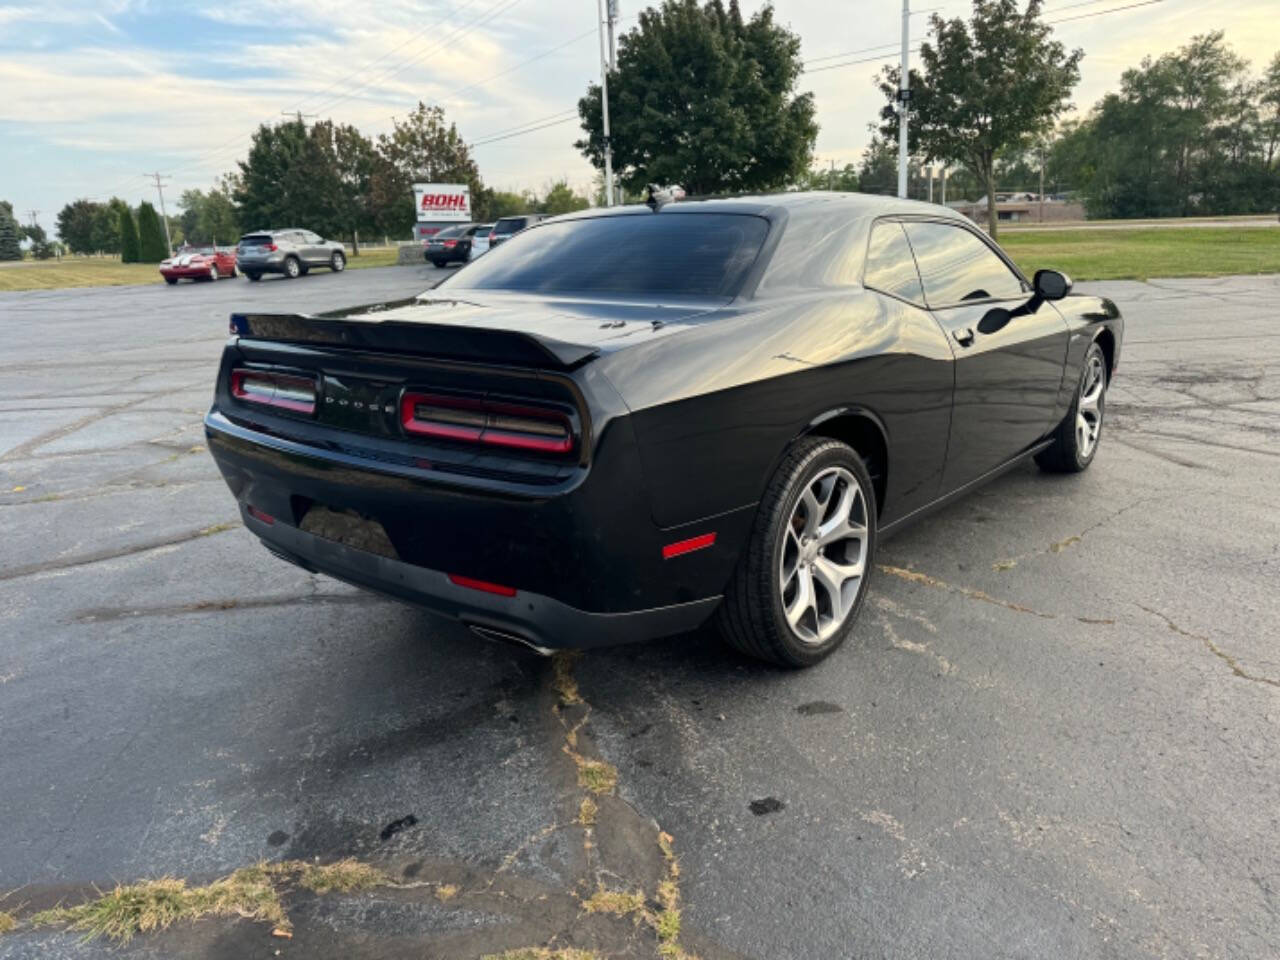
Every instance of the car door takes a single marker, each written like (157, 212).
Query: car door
(313, 249)
(1010, 347)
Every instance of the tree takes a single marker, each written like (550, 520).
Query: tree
(344, 162)
(129, 251)
(41, 248)
(490, 205)
(1269, 107)
(10, 235)
(840, 179)
(152, 245)
(987, 87)
(76, 225)
(106, 226)
(560, 198)
(704, 100)
(271, 192)
(420, 148)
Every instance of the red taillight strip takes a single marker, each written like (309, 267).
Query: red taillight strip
(487, 433)
(242, 382)
(483, 585)
(700, 542)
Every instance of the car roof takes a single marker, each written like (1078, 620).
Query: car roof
(799, 204)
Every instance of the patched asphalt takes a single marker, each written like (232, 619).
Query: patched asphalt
(1054, 734)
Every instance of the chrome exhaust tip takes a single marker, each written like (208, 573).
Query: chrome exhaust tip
(511, 639)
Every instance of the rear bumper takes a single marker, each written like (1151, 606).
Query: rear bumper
(587, 565)
(536, 619)
(273, 265)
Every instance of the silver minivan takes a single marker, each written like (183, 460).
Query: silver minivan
(291, 252)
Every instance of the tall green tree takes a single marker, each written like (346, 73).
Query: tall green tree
(41, 248)
(987, 87)
(152, 245)
(106, 226)
(704, 100)
(10, 234)
(75, 225)
(271, 190)
(424, 148)
(560, 198)
(1269, 111)
(129, 250)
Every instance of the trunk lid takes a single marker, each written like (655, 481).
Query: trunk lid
(504, 329)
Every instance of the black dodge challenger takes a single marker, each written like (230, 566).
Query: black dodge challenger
(624, 422)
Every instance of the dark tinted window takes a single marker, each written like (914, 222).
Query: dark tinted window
(256, 240)
(695, 255)
(453, 232)
(510, 226)
(956, 266)
(891, 268)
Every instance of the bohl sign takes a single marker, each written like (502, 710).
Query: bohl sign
(442, 201)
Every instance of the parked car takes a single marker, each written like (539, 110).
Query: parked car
(291, 252)
(201, 262)
(452, 244)
(480, 242)
(508, 227)
(623, 423)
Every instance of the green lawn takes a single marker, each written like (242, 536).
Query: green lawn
(107, 272)
(1139, 254)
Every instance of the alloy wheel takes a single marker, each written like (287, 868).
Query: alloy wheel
(824, 555)
(1093, 383)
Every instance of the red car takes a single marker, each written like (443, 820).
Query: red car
(199, 263)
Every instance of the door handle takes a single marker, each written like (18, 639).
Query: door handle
(964, 336)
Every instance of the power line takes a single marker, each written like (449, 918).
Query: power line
(533, 125)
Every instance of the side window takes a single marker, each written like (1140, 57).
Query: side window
(957, 267)
(309, 237)
(891, 268)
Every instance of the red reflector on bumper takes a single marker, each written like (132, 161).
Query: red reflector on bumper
(261, 516)
(482, 585)
(688, 546)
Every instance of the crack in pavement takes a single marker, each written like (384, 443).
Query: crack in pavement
(107, 614)
(1070, 541)
(14, 573)
(1212, 647)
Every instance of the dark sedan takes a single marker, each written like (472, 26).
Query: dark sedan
(453, 244)
(625, 422)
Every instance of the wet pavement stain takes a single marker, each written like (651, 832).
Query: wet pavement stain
(766, 806)
(816, 707)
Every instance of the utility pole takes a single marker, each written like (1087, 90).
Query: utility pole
(831, 181)
(612, 7)
(299, 116)
(1042, 183)
(928, 172)
(943, 201)
(164, 217)
(604, 104)
(904, 99)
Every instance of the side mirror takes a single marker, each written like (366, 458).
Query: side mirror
(1051, 285)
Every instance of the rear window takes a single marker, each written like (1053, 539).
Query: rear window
(255, 240)
(694, 254)
(451, 232)
(509, 226)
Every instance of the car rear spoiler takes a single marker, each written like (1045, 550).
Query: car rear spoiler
(457, 342)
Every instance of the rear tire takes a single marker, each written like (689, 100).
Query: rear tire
(292, 268)
(1076, 440)
(253, 276)
(338, 262)
(213, 272)
(171, 281)
(802, 578)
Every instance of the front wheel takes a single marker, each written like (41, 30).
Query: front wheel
(171, 281)
(1076, 440)
(338, 262)
(803, 576)
(213, 272)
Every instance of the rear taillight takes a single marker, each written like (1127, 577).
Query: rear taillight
(272, 247)
(282, 390)
(450, 243)
(489, 422)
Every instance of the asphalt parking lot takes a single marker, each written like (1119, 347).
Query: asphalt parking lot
(1054, 736)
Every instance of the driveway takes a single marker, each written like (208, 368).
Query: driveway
(1054, 734)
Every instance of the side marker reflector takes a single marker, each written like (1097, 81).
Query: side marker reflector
(261, 516)
(688, 546)
(482, 585)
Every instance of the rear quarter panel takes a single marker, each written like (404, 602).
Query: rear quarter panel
(715, 407)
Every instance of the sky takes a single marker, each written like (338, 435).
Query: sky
(96, 93)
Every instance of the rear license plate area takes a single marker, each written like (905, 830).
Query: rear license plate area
(346, 527)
